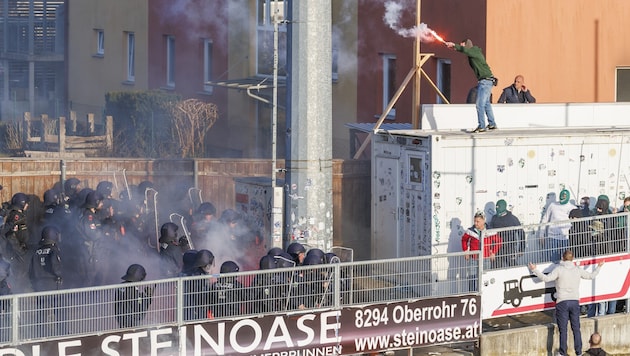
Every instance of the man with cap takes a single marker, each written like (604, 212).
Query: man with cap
(555, 238)
(132, 304)
(485, 82)
(513, 240)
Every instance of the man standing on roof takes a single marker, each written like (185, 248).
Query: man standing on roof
(485, 82)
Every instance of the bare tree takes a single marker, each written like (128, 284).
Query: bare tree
(192, 119)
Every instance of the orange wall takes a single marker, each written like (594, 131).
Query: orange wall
(566, 49)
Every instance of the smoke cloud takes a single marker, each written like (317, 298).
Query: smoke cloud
(393, 13)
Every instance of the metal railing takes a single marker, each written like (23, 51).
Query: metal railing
(591, 236)
(178, 301)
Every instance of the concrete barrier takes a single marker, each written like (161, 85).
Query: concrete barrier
(544, 339)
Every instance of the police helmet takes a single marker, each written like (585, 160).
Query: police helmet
(19, 201)
(317, 253)
(105, 188)
(229, 267)
(143, 186)
(229, 216)
(51, 197)
(135, 273)
(267, 262)
(275, 251)
(93, 199)
(50, 235)
(189, 259)
(204, 258)
(168, 232)
(206, 209)
(71, 186)
(284, 260)
(312, 259)
(294, 249)
(331, 258)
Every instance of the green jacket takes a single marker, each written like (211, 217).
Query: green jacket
(476, 60)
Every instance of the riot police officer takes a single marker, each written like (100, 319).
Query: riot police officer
(131, 303)
(170, 250)
(17, 235)
(227, 293)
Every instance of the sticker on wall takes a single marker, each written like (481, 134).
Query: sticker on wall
(436, 183)
(542, 166)
(458, 200)
(508, 141)
(469, 179)
(510, 162)
(602, 184)
(552, 154)
(500, 168)
(436, 196)
(551, 173)
(531, 154)
(582, 158)
(436, 175)
(622, 195)
(612, 152)
(592, 172)
(501, 193)
(521, 162)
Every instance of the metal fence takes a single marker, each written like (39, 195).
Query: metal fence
(178, 301)
(591, 236)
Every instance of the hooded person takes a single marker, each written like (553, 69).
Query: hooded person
(555, 236)
(513, 240)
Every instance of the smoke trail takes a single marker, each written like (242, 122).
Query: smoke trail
(393, 11)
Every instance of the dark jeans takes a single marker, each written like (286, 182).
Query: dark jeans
(565, 311)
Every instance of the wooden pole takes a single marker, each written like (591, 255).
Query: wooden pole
(62, 136)
(109, 133)
(415, 113)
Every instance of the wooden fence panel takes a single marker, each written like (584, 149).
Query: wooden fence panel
(215, 177)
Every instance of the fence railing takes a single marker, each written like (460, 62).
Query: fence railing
(178, 301)
(539, 243)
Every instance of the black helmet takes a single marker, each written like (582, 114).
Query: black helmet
(204, 258)
(168, 232)
(295, 249)
(71, 186)
(229, 216)
(312, 259)
(267, 262)
(275, 251)
(135, 273)
(143, 186)
(206, 209)
(105, 188)
(19, 201)
(317, 253)
(189, 259)
(51, 197)
(229, 267)
(50, 235)
(93, 199)
(284, 260)
(331, 258)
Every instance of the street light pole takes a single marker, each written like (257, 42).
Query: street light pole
(278, 197)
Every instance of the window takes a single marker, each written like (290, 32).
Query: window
(623, 84)
(266, 10)
(207, 65)
(389, 82)
(443, 79)
(100, 42)
(170, 61)
(131, 56)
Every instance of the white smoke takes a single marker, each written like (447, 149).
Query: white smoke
(393, 12)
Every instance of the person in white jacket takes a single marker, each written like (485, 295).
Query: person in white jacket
(556, 239)
(567, 277)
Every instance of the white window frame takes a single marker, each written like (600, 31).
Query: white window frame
(100, 42)
(388, 61)
(170, 61)
(131, 57)
(207, 65)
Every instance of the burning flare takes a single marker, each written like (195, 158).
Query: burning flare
(437, 37)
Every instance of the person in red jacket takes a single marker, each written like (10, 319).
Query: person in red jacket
(471, 241)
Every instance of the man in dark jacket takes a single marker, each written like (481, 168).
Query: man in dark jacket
(131, 303)
(517, 93)
(595, 346)
(513, 240)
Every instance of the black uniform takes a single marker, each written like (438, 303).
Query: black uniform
(5, 305)
(92, 256)
(131, 303)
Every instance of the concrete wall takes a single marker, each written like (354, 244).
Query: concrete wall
(543, 339)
